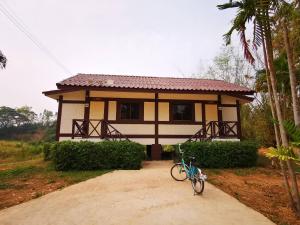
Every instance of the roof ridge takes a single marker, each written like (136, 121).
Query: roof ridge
(152, 82)
(130, 75)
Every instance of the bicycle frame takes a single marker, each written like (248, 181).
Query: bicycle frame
(191, 171)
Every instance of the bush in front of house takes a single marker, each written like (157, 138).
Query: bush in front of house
(48, 151)
(221, 154)
(86, 155)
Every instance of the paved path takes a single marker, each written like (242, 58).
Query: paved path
(148, 196)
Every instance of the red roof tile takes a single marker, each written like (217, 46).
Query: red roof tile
(157, 83)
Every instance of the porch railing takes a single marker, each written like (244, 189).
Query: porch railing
(102, 129)
(96, 129)
(217, 129)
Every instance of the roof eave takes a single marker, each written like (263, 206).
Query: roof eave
(77, 87)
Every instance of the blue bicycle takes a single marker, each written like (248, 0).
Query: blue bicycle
(181, 171)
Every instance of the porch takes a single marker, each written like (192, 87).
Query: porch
(102, 129)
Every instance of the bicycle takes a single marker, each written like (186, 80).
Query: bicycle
(181, 171)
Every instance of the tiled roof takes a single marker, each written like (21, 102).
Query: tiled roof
(156, 83)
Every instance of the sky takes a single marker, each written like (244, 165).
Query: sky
(134, 37)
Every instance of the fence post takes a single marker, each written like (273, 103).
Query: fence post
(73, 128)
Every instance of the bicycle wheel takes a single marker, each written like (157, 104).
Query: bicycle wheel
(178, 172)
(198, 185)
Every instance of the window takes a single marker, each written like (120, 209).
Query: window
(182, 111)
(130, 111)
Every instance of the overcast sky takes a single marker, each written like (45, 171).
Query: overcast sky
(138, 37)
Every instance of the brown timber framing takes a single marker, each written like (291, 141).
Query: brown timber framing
(156, 118)
(86, 115)
(219, 109)
(239, 127)
(104, 125)
(203, 119)
(59, 111)
(156, 122)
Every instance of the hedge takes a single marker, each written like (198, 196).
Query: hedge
(86, 155)
(221, 154)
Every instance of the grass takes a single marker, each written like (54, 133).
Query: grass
(23, 172)
(13, 151)
(20, 171)
(45, 170)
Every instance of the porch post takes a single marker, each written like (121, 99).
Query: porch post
(58, 120)
(204, 120)
(220, 117)
(86, 116)
(239, 126)
(105, 119)
(156, 118)
(156, 148)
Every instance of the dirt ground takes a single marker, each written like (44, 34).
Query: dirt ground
(25, 189)
(146, 196)
(259, 188)
(26, 180)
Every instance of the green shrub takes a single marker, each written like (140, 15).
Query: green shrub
(48, 151)
(222, 154)
(86, 155)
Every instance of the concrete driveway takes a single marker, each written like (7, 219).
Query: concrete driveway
(147, 196)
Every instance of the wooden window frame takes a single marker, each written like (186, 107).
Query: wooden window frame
(171, 119)
(141, 111)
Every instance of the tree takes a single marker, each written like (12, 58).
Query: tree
(47, 117)
(27, 113)
(7, 116)
(230, 66)
(3, 60)
(258, 12)
(284, 14)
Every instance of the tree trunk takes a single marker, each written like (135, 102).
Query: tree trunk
(294, 185)
(292, 73)
(287, 185)
(277, 137)
(271, 96)
(270, 60)
(278, 141)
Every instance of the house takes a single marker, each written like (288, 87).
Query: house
(153, 111)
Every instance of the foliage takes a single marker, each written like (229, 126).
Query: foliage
(23, 124)
(168, 148)
(85, 155)
(292, 130)
(3, 60)
(256, 120)
(281, 153)
(11, 117)
(17, 151)
(282, 72)
(48, 151)
(222, 154)
(229, 65)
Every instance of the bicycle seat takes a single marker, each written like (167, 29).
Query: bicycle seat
(192, 158)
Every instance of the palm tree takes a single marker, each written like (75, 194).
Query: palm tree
(3, 60)
(257, 12)
(284, 14)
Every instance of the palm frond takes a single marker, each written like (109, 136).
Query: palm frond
(292, 130)
(229, 5)
(247, 53)
(282, 153)
(3, 60)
